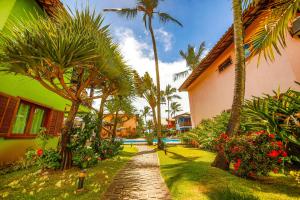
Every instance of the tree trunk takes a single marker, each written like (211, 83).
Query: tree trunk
(157, 84)
(100, 116)
(240, 78)
(65, 152)
(168, 109)
(114, 133)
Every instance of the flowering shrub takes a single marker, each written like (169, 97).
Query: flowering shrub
(254, 154)
(109, 149)
(85, 158)
(46, 159)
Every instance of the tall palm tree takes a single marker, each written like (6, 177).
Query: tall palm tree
(240, 78)
(169, 94)
(149, 9)
(175, 107)
(145, 112)
(192, 59)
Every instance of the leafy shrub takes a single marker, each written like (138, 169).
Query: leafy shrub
(255, 154)
(279, 114)
(85, 157)
(44, 158)
(149, 138)
(207, 131)
(109, 149)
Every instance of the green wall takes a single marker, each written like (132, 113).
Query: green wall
(20, 85)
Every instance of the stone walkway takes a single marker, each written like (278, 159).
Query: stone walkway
(139, 179)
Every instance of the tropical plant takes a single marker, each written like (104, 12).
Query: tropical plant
(239, 84)
(146, 89)
(271, 33)
(149, 9)
(207, 132)
(145, 112)
(30, 48)
(169, 95)
(192, 59)
(255, 154)
(175, 107)
(279, 114)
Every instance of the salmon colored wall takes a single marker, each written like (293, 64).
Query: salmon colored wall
(130, 126)
(212, 92)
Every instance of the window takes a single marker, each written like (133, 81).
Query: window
(225, 64)
(29, 119)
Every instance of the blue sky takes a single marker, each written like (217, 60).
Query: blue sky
(203, 20)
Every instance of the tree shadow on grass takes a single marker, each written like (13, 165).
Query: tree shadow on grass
(212, 181)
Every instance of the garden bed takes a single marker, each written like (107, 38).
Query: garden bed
(189, 175)
(32, 184)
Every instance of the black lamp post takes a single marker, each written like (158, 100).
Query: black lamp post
(81, 178)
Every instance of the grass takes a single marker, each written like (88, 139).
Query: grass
(33, 185)
(189, 176)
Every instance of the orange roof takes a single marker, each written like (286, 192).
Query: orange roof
(50, 5)
(225, 41)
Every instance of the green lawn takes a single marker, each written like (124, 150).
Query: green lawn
(30, 184)
(189, 176)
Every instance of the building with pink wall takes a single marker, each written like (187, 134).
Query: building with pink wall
(210, 85)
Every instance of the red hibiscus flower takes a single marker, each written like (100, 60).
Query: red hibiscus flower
(280, 160)
(275, 170)
(273, 154)
(237, 164)
(279, 144)
(271, 136)
(224, 136)
(284, 154)
(39, 152)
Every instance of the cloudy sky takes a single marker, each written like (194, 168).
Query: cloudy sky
(203, 20)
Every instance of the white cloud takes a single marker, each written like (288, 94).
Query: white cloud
(165, 38)
(139, 56)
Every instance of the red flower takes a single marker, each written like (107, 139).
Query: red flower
(237, 164)
(235, 149)
(280, 160)
(275, 170)
(284, 154)
(273, 154)
(279, 144)
(39, 152)
(260, 132)
(224, 136)
(271, 136)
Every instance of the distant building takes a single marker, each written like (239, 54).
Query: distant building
(127, 126)
(210, 86)
(183, 122)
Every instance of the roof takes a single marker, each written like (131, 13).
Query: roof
(50, 5)
(183, 115)
(226, 40)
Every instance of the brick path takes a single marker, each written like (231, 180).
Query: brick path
(140, 179)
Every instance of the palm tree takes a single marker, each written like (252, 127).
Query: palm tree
(175, 107)
(30, 48)
(192, 59)
(169, 94)
(240, 78)
(149, 9)
(274, 26)
(146, 89)
(145, 113)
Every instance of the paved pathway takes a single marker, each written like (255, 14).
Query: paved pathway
(139, 179)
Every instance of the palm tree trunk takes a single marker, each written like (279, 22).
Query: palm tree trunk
(114, 133)
(100, 116)
(168, 109)
(240, 78)
(157, 84)
(65, 152)
(154, 118)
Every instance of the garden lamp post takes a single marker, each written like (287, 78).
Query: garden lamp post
(81, 178)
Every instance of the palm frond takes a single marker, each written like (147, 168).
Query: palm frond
(129, 13)
(165, 17)
(180, 75)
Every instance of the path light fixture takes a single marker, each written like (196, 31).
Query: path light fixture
(81, 178)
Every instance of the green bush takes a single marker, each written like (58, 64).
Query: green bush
(278, 114)
(44, 158)
(149, 138)
(255, 154)
(85, 157)
(207, 131)
(109, 149)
